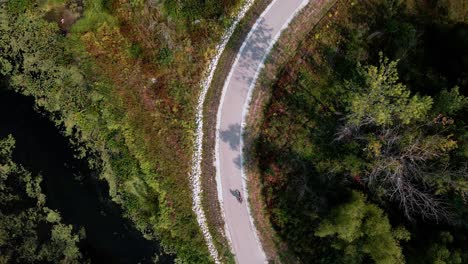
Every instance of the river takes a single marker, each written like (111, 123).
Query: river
(71, 187)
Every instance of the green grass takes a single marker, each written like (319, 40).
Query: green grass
(95, 15)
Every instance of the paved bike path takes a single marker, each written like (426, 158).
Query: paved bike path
(233, 106)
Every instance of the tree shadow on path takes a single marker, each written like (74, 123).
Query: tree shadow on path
(232, 136)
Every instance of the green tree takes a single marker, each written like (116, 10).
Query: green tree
(380, 99)
(439, 252)
(448, 102)
(405, 149)
(360, 229)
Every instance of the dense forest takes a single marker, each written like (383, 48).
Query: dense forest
(120, 79)
(363, 150)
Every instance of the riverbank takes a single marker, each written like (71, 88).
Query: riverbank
(125, 92)
(71, 187)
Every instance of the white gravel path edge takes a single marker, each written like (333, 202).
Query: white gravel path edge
(195, 174)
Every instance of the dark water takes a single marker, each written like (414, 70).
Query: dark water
(71, 187)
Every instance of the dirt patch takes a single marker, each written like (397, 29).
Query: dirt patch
(286, 47)
(64, 15)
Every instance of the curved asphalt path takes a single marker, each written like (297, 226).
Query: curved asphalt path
(233, 107)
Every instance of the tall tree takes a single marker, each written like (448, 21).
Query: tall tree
(405, 143)
(381, 100)
(361, 229)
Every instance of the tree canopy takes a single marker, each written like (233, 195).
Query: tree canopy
(361, 229)
(373, 103)
(379, 98)
(404, 141)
